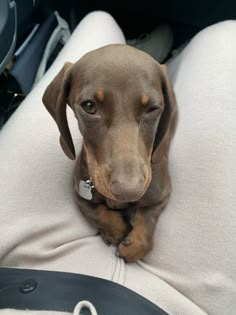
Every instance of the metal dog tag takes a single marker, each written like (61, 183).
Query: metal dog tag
(85, 189)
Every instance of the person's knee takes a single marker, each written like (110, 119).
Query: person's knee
(104, 27)
(100, 17)
(225, 30)
(219, 36)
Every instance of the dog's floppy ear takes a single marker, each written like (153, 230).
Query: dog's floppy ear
(54, 99)
(168, 119)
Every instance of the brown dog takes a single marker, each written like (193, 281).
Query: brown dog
(126, 111)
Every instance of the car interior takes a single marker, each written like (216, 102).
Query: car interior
(20, 21)
(32, 35)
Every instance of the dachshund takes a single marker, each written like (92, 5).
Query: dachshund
(127, 114)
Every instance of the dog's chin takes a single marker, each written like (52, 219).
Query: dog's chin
(114, 204)
(123, 199)
(118, 199)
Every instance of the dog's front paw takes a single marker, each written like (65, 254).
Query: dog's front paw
(116, 232)
(134, 247)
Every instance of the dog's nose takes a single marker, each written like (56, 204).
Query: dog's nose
(127, 189)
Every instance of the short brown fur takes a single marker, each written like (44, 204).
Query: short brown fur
(100, 94)
(144, 99)
(125, 142)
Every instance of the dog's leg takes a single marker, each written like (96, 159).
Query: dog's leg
(111, 224)
(140, 240)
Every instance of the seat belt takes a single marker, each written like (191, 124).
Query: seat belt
(60, 291)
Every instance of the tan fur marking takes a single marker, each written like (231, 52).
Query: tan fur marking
(139, 232)
(144, 99)
(99, 174)
(100, 94)
(136, 244)
(113, 228)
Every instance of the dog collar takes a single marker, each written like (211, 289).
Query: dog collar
(85, 189)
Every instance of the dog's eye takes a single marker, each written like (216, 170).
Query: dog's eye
(153, 109)
(89, 107)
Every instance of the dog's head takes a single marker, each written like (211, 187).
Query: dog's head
(125, 107)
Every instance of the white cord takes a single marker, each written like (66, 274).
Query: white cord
(84, 304)
(60, 34)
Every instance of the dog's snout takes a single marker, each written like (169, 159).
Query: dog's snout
(126, 190)
(127, 187)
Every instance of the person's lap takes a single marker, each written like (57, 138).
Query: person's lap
(192, 259)
(196, 234)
